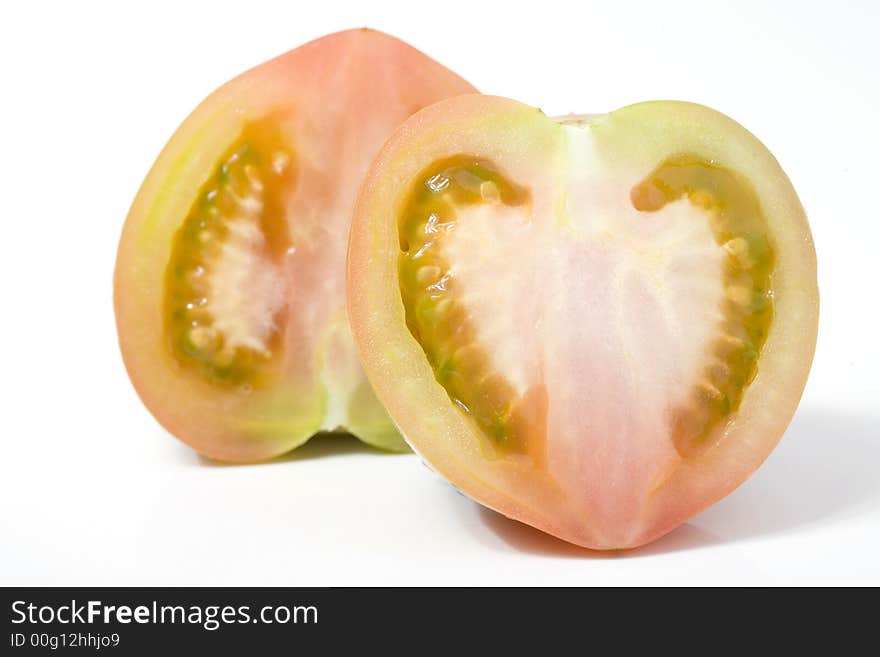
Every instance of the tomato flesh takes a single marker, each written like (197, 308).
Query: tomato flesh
(598, 327)
(230, 278)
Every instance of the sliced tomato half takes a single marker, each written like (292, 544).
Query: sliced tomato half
(230, 277)
(597, 325)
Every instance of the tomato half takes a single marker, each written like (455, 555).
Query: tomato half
(597, 325)
(230, 277)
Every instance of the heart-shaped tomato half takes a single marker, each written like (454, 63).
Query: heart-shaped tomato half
(597, 325)
(230, 276)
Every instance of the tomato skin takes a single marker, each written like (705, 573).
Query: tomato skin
(339, 98)
(646, 499)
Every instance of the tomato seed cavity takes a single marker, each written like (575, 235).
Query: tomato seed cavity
(223, 290)
(747, 309)
(512, 423)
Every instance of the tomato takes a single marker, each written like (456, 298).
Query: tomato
(230, 277)
(597, 325)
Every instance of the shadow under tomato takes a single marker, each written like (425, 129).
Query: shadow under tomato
(827, 468)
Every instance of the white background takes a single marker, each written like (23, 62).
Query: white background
(94, 492)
